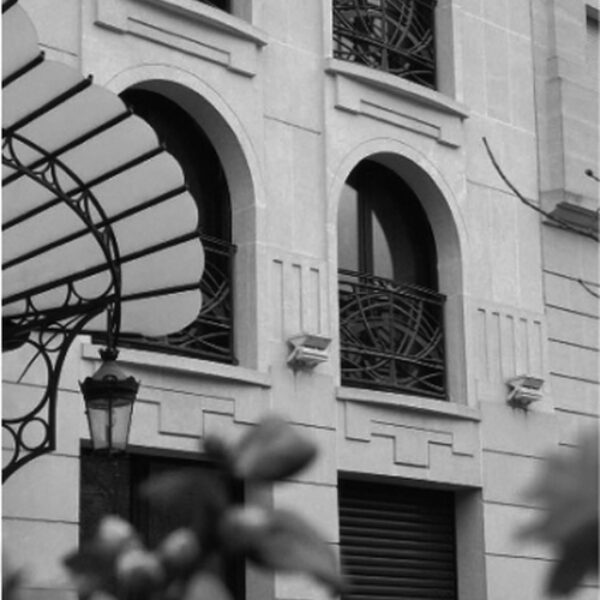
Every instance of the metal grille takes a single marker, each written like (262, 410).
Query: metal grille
(210, 336)
(397, 542)
(391, 336)
(396, 36)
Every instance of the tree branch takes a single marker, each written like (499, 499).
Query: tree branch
(587, 288)
(592, 175)
(562, 223)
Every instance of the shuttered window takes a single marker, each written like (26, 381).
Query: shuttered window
(397, 542)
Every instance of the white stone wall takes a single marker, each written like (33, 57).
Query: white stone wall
(289, 123)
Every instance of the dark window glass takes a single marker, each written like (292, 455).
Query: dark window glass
(383, 230)
(188, 143)
(397, 541)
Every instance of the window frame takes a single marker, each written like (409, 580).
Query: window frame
(216, 318)
(392, 334)
(375, 48)
(409, 212)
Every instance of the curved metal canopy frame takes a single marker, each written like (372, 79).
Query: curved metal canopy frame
(99, 230)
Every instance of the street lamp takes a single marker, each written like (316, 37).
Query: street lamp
(109, 396)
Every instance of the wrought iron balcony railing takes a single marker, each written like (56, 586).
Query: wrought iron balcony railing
(396, 36)
(391, 336)
(210, 336)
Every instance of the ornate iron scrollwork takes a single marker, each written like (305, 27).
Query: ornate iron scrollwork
(391, 336)
(48, 332)
(48, 171)
(33, 432)
(396, 36)
(73, 209)
(210, 336)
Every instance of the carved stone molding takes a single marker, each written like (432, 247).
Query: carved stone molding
(401, 103)
(299, 297)
(411, 441)
(508, 342)
(198, 30)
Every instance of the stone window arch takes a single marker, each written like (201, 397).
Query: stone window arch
(390, 309)
(210, 336)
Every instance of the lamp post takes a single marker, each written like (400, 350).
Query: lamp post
(109, 395)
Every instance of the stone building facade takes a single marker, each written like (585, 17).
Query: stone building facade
(293, 103)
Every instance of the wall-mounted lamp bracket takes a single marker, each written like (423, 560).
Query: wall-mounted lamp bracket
(523, 390)
(308, 350)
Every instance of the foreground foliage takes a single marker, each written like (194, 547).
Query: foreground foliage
(213, 529)
(567, 488)
(188, 564)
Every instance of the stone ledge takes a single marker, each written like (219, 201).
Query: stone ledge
(214, 17)
(404, 402)
(199, 30)
(397, 86)
(183, 364)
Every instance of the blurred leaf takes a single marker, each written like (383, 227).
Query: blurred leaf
(579, 556)
(216, 449)
(179, 552)
(568, 491)
(93, 566)
(281, 541)
(242, 526)
(11, 580)
(139, 573)
(114, 534)
(205, 586)
(92, 569)
(270, 451)
(102, 596)
(175, 590)
(190, 499)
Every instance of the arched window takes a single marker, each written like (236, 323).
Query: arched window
(391, 333)
(211, 335)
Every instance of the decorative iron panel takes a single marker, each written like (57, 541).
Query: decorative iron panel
(396, 36)
(397, 542)
(391, 336)
(210, 336)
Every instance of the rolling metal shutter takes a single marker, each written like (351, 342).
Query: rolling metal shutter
(397, 542)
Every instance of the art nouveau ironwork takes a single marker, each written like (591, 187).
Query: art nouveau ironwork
(396, 36)
(210, 336)
(391, 336)
(99, 231)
